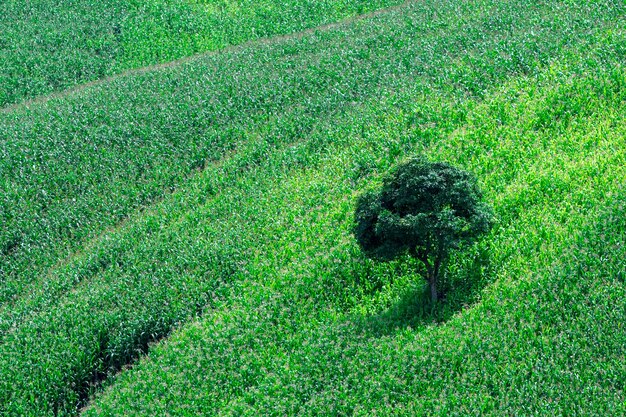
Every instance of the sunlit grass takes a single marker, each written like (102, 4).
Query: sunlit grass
(47, 46)
(305, 333)
(214, 199)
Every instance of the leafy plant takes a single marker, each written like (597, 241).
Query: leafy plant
(114, 238)
(426, 209)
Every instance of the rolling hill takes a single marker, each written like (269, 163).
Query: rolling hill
(177, 240)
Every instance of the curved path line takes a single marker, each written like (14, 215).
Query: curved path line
(155, 67)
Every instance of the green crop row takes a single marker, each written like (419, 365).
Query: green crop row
(47, 46)
(533, 319)
(74, 166)
(93, 271)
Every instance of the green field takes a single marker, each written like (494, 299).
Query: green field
(177, 240)
(47, 46)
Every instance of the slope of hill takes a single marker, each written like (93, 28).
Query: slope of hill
(294, 320)
(532, 319)
(47, 46)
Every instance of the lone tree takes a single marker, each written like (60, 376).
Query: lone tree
(424, 208)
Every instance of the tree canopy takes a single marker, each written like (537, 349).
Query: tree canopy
(424, 208)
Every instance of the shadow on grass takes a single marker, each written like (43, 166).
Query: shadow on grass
(468, 273)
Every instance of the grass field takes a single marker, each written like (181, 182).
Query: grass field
(530, 326)
(211, 202)
(48, 46)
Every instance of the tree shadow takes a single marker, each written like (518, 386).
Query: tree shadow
(467, 274)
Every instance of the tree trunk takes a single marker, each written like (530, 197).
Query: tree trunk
(433, 277)
(432, 272)
(432, 282)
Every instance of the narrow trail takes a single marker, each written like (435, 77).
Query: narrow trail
(156, 67)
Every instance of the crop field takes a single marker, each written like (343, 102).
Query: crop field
(48, 46)
(176, 240)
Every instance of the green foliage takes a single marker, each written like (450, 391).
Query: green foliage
(304, 332)
(211, 202)
(75, 166)
(49, 45)
(426, 209)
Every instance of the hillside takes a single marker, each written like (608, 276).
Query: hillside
(47, 46)
(208, 204)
